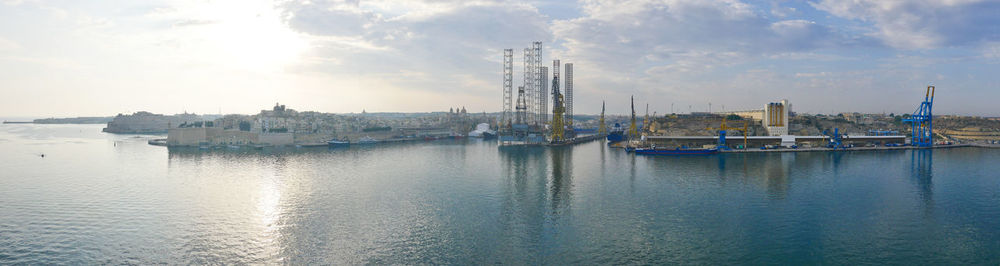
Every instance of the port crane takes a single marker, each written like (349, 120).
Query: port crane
(558, 109)
(633, 131)
(602, 129)
(723, 128)
(920, 121)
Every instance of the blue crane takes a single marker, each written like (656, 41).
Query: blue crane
(920, 121)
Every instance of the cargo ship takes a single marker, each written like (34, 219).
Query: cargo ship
(617, 134)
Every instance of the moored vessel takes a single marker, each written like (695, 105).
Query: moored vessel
(617, 134)
(338, 143)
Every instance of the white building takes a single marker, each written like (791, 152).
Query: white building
(776, 118)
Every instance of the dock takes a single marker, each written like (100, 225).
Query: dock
(881, 148)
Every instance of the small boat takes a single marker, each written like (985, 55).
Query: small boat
(676, 151)
(367, 140)
(338, 143)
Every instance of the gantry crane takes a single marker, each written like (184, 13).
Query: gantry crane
(723, 128)
(922, 128)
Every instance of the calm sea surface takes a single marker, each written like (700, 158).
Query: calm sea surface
(99, 198)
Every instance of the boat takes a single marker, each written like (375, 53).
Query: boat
(367, 140)
(489, 135)
(617, 134)
(483, 131)
(338, 143)
(676, 151)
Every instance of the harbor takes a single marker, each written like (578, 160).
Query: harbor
(440, 195)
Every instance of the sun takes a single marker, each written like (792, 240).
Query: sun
(250, 34)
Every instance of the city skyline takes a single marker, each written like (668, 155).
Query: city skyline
(70, 58)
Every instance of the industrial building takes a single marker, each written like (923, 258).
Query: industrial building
(774, 116)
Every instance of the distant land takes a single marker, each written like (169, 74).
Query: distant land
(75, 120)
(69, 120)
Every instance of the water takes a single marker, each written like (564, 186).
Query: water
(112, 199)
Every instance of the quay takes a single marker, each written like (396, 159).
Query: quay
(880, 148)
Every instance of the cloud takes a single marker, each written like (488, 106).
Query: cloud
(8, 45)
(193, 22)
(636, 33)
(923, 24)
(446, 42)
(684, 50)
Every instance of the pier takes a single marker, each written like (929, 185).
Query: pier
(879, 148)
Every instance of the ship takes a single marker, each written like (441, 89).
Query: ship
(483, 131)
(489, 135)
(675, 151)
(338, 143)
(617, 134)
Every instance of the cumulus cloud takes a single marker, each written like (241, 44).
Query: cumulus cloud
(684, 50)
(445, 41)
(636, 33)
(923, 24)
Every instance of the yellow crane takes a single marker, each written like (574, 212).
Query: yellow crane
(723, 127)
(557, 119)
(645, 121)
(633, 132)
(601, 128)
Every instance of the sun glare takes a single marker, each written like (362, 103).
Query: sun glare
(251, 34)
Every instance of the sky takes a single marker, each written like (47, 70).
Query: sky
(101, 58)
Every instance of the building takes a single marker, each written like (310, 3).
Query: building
(149, 123)
(216, 136)
(774, 116)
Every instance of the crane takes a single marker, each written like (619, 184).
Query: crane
(633, 132)
(920, 121)
(602, 129)
(723, 128)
